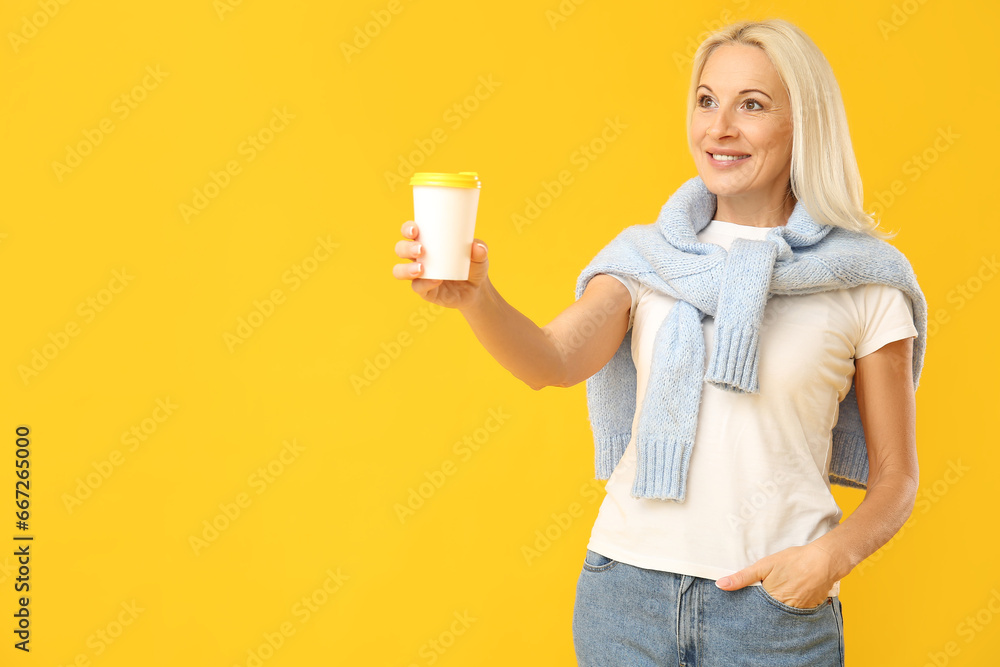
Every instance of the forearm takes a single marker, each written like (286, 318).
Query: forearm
(517, 343)
(886, 507)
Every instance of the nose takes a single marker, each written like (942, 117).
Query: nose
(722, 125)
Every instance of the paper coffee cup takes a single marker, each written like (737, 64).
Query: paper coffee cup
(444, 208)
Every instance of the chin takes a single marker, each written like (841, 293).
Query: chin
(723, 186)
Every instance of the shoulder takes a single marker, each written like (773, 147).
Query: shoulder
(843, 239)
(620, 256)
(860, 257)
(869, 296)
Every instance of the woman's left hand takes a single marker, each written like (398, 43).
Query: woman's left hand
(798, 576)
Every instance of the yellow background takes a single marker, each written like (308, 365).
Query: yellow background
(450, 584)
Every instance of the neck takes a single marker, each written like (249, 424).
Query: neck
(755, 212)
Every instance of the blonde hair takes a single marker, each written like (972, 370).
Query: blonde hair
(824, 170)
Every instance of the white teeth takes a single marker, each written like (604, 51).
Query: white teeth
(728, 157)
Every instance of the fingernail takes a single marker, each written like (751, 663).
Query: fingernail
(418, 249)
(723, 582)
(417, 268)
(409, 232)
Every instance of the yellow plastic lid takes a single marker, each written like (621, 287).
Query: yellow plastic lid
(463, 179)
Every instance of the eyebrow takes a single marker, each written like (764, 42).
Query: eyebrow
(742, 92)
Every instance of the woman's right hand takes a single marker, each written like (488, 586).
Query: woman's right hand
(449, 293)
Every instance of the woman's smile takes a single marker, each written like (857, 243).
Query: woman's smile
(726, 160)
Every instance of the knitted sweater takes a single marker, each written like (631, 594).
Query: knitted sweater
(800, 257)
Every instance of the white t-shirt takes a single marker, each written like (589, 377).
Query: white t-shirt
(758, 476)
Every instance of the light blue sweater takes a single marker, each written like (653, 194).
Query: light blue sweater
(801, 257)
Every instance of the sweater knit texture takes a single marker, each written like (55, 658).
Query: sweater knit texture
(800, 257)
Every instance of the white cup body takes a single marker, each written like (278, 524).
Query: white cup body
(446, 218)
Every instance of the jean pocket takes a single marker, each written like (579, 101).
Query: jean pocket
(798, 611)
(595, 562)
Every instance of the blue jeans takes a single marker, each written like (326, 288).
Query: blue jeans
(633, 617)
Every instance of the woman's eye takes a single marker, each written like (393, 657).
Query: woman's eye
(704, 100)
(749, 104)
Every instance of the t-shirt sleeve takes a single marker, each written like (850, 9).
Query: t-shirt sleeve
(633, 289)
(886, 316)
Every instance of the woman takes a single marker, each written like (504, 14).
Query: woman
(752, 346)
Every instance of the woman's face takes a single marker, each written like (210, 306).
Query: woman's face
(741, 126)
